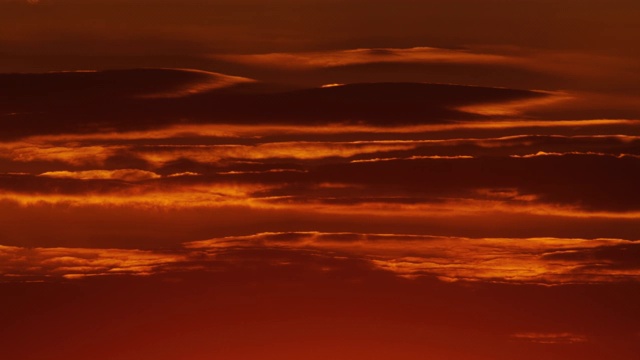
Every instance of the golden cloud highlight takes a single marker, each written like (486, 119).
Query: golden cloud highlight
(17, 263)
(154, 195)
(66, 143)
(159, 155)
(512, 108)
(508, 260)
(208, 81)
(122, 174)
(70, 154)
(322, 59)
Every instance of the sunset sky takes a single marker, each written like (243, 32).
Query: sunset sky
(319, 179)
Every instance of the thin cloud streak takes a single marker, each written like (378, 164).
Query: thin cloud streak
(121, 174)
(324, 59)
(551, 338)
(209, 81)
(231, 132)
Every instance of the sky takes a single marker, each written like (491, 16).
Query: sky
(313, 179)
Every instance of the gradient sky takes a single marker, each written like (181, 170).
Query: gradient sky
(319, 179)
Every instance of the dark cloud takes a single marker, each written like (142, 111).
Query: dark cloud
(88, 102)
(588, 182)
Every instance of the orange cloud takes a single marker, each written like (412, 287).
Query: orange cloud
(326, 198)
(517, 107)
(122, 174)
(320, 59)
(542, 261)
(17, 263)
(416, 157)
(54, 143)
(544, 153)
(45, 151)
(93, 149)
(207, 81)
(159, 155)
(456, 207)
(154, 195)
(452, 258)
(585, 69)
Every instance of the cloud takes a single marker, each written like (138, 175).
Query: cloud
(136, 191)
(590, 153)
(149, 98)
(583, 84)
(122, 174)
(551, 338)
(337, 58)
(160, 155)
(623, 257)
(208, 81)
(499, 260)
(226, 144)
(404, 177)
(539, 261)
(39, 264)
(72, 155)
(478, 65)
(115, 84)
(227, 133)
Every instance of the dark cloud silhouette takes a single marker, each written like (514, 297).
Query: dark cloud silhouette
(98, 101)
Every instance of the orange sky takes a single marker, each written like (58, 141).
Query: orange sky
(319, 179)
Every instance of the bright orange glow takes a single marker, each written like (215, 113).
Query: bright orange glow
(518, 107)
(123, 174)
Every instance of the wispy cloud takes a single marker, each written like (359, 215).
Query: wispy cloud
(122, 174)
(454, 259)
(39, 264)
(206, 81)
(306, 60)
(551, 338)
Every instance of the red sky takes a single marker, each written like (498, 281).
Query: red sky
(319, 179)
